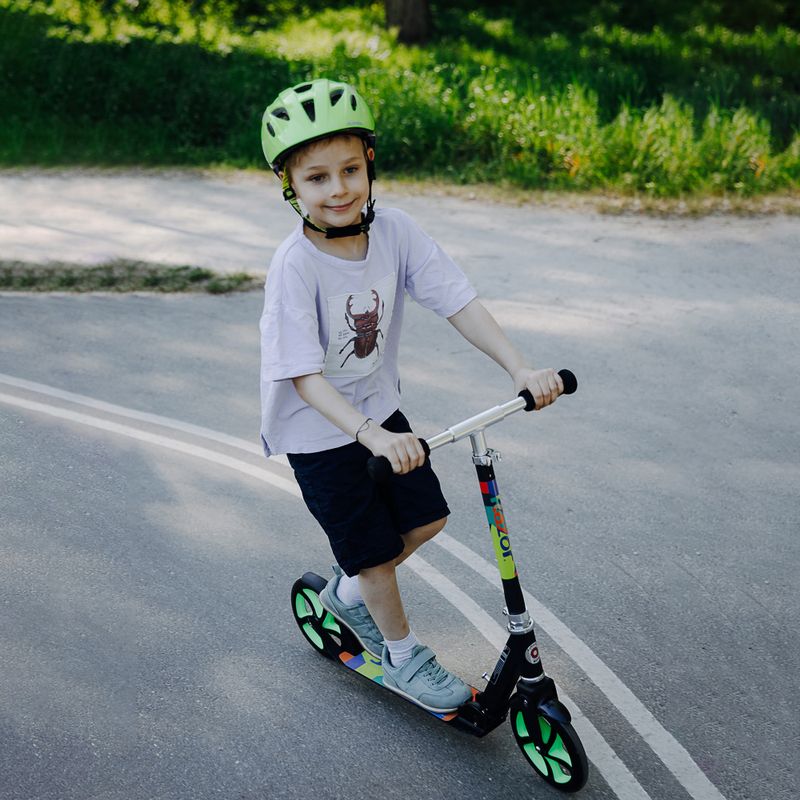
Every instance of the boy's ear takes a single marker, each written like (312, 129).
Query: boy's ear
(370, 151)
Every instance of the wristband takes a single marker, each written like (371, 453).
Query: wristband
(363, 427)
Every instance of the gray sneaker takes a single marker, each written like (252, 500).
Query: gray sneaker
(426, 682)
(356, 617)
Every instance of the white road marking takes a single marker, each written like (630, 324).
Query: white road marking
(162, 441)
(664, 745)
(143, 416)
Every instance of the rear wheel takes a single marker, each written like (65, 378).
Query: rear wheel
(551, 747)
(316, 623)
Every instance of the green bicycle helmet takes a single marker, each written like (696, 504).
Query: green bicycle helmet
(308, 112)
(312, 111)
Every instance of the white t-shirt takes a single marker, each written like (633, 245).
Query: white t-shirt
(343, 318)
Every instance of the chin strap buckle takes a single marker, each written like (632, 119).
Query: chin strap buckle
(353, 230)
(288, 192)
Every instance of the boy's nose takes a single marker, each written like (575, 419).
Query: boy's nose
(337, 187)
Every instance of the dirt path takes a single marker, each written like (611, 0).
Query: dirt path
(232, 221)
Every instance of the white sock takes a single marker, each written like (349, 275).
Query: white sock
(401, 650)
(348, 591)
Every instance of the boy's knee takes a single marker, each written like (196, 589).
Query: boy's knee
(378, 571)
(439, 524)
(425, 532)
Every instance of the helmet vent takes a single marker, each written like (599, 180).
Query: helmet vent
(308, 107)
(336, 96)
(270, 129)
(304, 88)
(353, 102)
(281, 113)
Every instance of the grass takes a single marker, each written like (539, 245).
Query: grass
(120, 276)
(596, 104)
(604, 202)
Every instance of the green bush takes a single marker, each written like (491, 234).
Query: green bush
(655, 151)
(605, 103)
(735, 149)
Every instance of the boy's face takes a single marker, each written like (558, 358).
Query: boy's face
(330, 178)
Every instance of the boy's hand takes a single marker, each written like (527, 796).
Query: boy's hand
(402, 449)
(544, 384)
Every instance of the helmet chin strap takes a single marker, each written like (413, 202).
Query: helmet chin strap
(349, 230)
(355, 229)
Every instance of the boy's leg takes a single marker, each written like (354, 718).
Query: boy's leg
(409, 668)
(379, 587)
(418, 536)
(382, 597)
(380, 592)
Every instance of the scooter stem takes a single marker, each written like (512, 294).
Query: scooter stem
(519, 620)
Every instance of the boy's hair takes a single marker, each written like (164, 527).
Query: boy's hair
(292, 157)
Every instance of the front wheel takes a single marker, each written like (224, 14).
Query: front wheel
(551, 746)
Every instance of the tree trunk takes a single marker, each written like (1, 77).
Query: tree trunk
(412, 18)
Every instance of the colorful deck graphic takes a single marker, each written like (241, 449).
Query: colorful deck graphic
(370, 667)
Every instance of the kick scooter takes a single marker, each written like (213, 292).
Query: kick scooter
(518, 686)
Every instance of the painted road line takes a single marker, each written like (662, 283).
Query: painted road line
(286, 485)
(142, 416)
(669, 751)
(607, 762)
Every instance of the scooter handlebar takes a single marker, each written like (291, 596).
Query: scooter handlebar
(379, 468)
(569, 381)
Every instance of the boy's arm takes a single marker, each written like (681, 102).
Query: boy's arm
(402, 449)
(480, 328)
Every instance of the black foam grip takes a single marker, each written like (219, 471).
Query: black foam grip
(379, 468)
(567, 378)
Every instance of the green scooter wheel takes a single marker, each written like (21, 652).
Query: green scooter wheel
(316, 623)
(551, 747)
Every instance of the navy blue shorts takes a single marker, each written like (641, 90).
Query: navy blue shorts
(364, 521)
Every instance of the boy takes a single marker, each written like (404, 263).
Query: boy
(329, 381)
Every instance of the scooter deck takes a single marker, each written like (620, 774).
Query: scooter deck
(331, 637)
(365, 664)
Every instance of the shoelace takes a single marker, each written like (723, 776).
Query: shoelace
(433, 672)
(361, 613)
(363, 616)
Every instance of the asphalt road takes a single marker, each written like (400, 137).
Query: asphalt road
(146, 642)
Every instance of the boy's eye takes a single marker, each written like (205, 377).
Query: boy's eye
(315, 178)
(351, 170)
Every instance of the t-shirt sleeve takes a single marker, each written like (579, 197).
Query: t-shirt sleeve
(290, 344)
(433, 279)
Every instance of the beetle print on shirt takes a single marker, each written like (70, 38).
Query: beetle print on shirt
(359, 324)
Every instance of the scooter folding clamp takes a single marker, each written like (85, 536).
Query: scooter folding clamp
(518, 623)
(486, 459)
